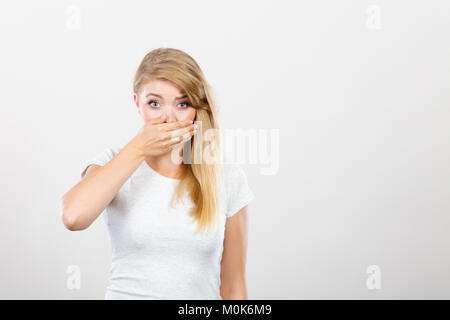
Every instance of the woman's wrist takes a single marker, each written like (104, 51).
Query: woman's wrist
(134, 151)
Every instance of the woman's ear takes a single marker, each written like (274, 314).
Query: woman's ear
(136, 99)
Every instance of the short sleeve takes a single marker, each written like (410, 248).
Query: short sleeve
(100, 159)
(238, 190)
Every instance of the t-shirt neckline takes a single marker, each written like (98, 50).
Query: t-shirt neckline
(157, 174)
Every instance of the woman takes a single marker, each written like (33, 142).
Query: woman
(176, 213)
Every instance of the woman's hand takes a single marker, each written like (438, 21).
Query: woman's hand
(156, 137)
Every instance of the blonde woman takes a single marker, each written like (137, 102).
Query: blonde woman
(176, 212)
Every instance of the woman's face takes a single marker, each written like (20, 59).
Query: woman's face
(158, 97)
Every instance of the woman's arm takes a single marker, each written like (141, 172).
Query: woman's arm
(234, 257)
(84, 202)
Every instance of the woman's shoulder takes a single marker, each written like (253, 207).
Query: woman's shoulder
(104, 156)
(115, 150)
(237, 188)
(110, 152)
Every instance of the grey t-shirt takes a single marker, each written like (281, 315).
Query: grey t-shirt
(155, 253)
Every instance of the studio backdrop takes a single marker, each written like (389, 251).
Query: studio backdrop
(342, 110)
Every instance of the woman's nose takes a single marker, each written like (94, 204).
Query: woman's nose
(170, 117)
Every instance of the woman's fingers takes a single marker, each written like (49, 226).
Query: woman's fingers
(178, 140)
(174, 134)
(157, 136)
(176, 125)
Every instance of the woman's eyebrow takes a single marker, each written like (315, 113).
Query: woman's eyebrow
(157, 95)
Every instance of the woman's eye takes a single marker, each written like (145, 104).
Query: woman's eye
(186, 103)
(152, 101)
(155, 104)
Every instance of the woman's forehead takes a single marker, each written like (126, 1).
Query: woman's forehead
(163, 88)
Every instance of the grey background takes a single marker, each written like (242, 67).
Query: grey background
(363, 117)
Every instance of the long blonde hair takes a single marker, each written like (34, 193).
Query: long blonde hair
(202, 181)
